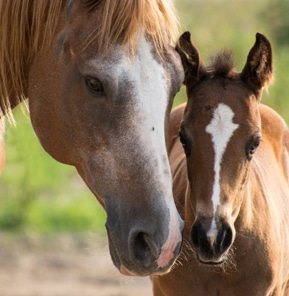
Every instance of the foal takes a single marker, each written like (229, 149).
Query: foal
(235, 198)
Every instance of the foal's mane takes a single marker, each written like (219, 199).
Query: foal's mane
(26, 26)
(221, 64)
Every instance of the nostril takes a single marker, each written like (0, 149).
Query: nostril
(142, 248)
(210, 246)
(199, 237)
(225, 237)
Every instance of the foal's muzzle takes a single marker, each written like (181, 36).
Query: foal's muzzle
(211, 246)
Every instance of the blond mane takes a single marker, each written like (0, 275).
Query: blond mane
(25, 26)
(28, 25)
(122, 19)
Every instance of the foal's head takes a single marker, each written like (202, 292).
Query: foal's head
(220, 132)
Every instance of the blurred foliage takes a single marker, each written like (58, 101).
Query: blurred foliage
(39, 194)
(276, 15)
(219, 24)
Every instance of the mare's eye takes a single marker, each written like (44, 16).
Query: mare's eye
(252, 146)
(94, 85)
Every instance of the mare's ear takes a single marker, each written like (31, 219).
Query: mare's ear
(190, 59)
(258, 71)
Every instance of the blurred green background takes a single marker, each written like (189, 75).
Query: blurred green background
(37, 194)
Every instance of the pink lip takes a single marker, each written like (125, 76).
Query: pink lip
(124, 271)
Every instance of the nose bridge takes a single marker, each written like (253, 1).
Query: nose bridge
(150, 150)
(146, 221)
(149, 173)
(129, 215)
(221, 128)
(148, 176)
(175, 224)
(212, 218)
(146, 217)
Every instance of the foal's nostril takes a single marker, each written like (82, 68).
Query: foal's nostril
(211, 248)
(224, 238)
(199, 237)
(143, 249)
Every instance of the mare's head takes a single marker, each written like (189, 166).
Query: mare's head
(220, 133)
(99, 100)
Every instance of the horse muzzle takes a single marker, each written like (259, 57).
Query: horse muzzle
(145, 250)
(212, 245)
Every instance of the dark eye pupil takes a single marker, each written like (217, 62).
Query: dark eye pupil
(185, 142)
(94, 85)
(182, 138)
(253, 147)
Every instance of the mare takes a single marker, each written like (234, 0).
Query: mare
(101, 76)
(230, 180)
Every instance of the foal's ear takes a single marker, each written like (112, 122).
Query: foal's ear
(258, 71)
(190, 58)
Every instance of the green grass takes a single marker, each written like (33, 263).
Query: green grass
(37, 193)
(215, 25)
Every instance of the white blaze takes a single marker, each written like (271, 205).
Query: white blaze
(151, 89)
(154, 103)
(147, 82)
(221, 128)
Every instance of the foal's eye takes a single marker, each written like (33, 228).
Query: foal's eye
(184, 141)
(182, 137)
(94, 85)
(253, 145)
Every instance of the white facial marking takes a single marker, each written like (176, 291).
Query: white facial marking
(151, 91)
(221, 128)
(155, 104)
(142, 80)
